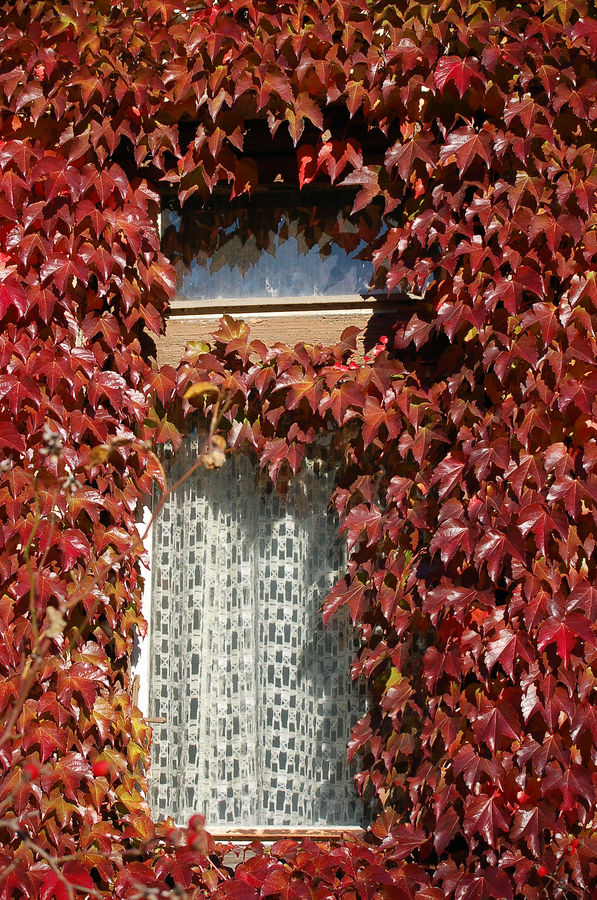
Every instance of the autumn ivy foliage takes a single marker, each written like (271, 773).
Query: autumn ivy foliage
(82, 285)
(466, 452)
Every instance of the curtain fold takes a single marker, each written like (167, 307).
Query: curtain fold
(256, 693)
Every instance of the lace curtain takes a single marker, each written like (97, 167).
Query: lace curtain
(256, 693)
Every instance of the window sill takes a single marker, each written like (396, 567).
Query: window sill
(242, 306)
(269, 834)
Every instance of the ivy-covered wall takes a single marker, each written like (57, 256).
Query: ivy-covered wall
(467, 447)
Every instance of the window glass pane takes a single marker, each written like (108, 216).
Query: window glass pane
(278, 244)
(257, 695)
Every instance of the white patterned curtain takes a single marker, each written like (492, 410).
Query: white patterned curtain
(256, 694)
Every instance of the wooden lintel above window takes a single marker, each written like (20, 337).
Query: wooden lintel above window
(311, 325)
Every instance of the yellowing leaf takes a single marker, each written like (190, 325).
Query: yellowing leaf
(56, 623)
(199, 390)
(99, 454)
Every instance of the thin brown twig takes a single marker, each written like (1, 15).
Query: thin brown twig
(27, 556)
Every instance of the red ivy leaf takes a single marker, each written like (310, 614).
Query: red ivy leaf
(464, 145)
(586, 27)
(12, 294)
(564, 633)
(367, 177)
(529, 824)
(281, 884)
(237, 889)
(70, 770)
(492, 883)
(485, 815)
(52, 888)
(453, 535)
(74, 545)
(45, 735)
(404, 156)
(496, 547)
(536, 519)
(510, 290)
(507, 648)
(10, 437)
(457, 71)
(374, 417)
(495, 722)
(361, 519)
(164, 384)
(574, 783)
(341, 594)
(307, 164)
(77, 875)
(447, 827)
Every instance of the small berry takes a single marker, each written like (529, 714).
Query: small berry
(574, 843)
(196, 822)
(197, 840)
(569, 849)
(101, 767)
(366, 359)
(384, 339)
(353, 365)
(541, 871)
(31, 770)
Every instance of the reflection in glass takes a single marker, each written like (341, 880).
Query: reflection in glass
(279, 243)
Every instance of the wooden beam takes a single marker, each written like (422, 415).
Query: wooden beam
(300, 326)
(240, 306)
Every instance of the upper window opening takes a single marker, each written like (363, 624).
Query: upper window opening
(278, 244)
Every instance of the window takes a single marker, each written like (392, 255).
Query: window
(281, 245)
(257, 697)
(251, 699)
